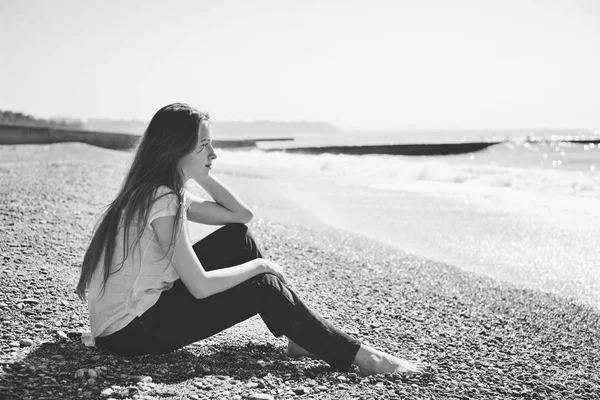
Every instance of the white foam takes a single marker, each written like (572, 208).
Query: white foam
(419, 173)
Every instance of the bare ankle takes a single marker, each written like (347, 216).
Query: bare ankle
(371, 361)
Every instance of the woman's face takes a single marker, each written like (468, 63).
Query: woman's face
(196, 165)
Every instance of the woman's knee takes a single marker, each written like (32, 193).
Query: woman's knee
(235, 232)
(238, 235)
(235, 228)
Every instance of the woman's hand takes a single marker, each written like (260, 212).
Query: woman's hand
(275, 269)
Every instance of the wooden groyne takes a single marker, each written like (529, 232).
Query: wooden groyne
(424, 149)
(19, 134)
(584, 141)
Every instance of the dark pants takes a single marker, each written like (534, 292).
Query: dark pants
(178, 319)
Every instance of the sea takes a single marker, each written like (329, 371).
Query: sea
(541, 161)
(524, 211)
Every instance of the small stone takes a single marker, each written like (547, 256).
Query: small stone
(26, 342)
(62, 335)
(194, 397)
(261, 396)
(342, 378)
(106, 392)
(30, 301)
(145, 379)
(92, 373)
(96, 358)
(301, 390)
(80, 373)
(14, 343)
(57, 357)
(236, 397)
(251, 385)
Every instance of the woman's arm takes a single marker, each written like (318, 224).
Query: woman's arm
(226, 208)
(201, 283)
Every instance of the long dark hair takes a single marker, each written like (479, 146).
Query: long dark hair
(171, 134)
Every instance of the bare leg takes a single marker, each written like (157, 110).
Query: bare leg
(294, 350)
(370, 362)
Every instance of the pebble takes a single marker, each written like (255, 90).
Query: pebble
(260, 396)
(106, 392)
(62, 335)
(301, 390)
(145, 379)
(26, 342)
(92, 373)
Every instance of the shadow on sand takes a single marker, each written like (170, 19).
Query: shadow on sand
(68, 369)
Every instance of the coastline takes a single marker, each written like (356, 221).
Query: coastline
(488, 338)
(527, 238)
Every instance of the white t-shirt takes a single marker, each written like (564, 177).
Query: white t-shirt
(146, 273)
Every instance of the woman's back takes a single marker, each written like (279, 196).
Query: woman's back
(136, 285)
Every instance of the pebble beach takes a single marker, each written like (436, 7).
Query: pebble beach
(486, 339)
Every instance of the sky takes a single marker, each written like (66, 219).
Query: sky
(371, 64)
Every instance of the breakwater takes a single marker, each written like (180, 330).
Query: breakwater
(19, 134)
(425, 149)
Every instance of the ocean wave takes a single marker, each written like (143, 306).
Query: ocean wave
(509, 166)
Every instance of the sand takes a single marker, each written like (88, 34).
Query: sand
(488, 339)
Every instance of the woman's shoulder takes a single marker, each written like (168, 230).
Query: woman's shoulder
(169, 195)
(163, 190)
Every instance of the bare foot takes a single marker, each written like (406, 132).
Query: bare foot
(295, 351)
(371, 362)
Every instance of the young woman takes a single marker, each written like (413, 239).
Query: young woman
(152, 291)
